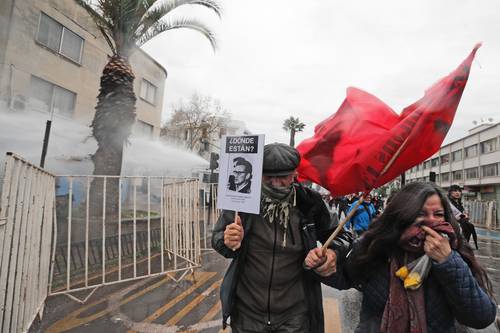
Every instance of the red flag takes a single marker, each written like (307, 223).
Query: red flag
(365, 143)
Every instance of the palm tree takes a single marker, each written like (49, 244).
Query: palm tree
(293, 125)
(127, 25)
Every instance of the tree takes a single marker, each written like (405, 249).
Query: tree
(196, 121)
(293, 125)
(127, 25)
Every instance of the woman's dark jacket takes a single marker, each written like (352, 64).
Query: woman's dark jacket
(450, 292)
(315, 224)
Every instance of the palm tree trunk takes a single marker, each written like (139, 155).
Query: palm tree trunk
(292, 137)
(111, 127)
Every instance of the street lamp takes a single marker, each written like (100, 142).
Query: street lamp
(46, 136)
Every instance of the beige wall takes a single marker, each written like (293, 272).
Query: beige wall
(146, 68)
(5, 12)
(24, 57)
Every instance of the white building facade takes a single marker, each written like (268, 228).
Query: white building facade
(472, 162)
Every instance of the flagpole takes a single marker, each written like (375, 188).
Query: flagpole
(341, 224)
(351, 213)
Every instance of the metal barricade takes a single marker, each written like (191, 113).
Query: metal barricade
(113, 229)
(209, 212)
(26, 228)
(482, 213)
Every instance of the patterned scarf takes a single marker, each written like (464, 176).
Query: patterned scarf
(276, 203)
(404, 311)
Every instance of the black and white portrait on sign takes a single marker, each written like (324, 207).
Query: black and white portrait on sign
(240, 173)
(240, 179)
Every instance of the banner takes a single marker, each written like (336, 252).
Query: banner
(365, 143)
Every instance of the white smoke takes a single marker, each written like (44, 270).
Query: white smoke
(71, 144)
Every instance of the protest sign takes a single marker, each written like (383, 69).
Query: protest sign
(240, 173)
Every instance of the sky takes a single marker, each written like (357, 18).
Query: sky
(282, 58)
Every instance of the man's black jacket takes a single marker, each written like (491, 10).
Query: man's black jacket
(315, 224)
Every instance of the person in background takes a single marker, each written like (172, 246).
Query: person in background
(363, 216)
(468, 229)
(273, 281)
(353, 197)
(343, 205)
(415, 270)
(378, 203)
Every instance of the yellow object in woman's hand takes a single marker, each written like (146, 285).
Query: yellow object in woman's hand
(413, 281)
(402, 273)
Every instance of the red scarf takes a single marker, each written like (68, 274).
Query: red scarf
(404, 311)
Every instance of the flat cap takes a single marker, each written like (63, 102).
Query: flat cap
(280, 159)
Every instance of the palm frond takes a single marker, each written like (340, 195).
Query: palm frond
(156, 13)
(169, 6)
(125, 23)
(293, 123)
(188, 23)
(103, 24)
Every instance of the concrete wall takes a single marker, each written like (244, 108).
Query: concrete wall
(24, 57)
(6, 7)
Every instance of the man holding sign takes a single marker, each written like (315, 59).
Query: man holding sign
(273, 282)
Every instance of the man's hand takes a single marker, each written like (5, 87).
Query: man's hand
(436, 246)
(324, 265)
(233, 235)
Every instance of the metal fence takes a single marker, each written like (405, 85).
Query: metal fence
(115, 229)
(108, 230)
(26, 229)
(210, 213)
(483, 214)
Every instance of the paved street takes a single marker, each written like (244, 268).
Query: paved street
(160, 304)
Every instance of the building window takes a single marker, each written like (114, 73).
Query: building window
(471, 151)
(418, 167)
(471, 173)
(143, 129)
(148, 91)
(490, 170)
(427, 164)
(488, 146)
(456, 155)
(60, 39)
(445, 177)
(435, 162)
(457, 175)
(47, 97)
(445, 159)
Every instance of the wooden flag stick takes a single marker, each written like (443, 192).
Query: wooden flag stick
(341, 225)
(393, 158)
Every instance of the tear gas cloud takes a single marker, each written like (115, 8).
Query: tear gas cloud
(71, 145)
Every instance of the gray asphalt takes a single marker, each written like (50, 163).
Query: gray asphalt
(136, 305)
